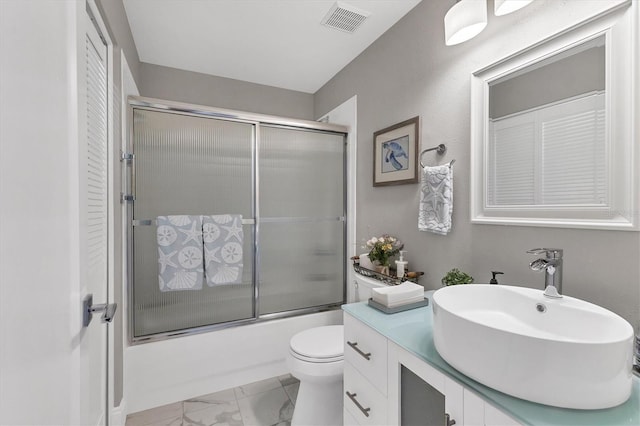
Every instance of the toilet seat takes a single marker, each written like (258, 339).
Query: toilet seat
(319, 345)
(315, 360)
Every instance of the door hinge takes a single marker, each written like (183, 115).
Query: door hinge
(126, 156)
(127, 198)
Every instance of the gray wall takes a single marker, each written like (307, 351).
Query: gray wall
(202, 89)
(409, 71)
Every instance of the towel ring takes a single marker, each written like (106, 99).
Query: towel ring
(440, 149)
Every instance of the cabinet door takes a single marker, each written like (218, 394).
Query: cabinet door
(495, 417)
(452, 391)
(420, 403)
(473, 409)
(454, 402)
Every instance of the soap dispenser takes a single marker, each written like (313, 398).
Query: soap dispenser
(494, 279)
(401, 265)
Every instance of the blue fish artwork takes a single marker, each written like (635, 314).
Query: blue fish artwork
(395, 154)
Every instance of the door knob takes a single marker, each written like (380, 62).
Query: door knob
(88, 309)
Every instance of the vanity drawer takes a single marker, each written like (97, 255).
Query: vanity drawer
(349, 420)
(362, 401)
(366, 350)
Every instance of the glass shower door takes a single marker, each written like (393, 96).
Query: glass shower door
(189, 165)
(301, 220)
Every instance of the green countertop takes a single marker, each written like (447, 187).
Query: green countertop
(412, 330)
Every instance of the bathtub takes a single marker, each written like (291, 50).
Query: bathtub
(173, 370)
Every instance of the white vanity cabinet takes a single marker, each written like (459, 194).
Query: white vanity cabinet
(395, 376)
(365, 374)
(373, 375)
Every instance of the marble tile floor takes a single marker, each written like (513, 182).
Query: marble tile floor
(268, 402)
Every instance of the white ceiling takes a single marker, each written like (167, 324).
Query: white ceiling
(278, 43)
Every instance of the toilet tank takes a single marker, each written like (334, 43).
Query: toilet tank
(363, 286)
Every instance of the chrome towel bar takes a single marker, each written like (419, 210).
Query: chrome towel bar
(149, 222)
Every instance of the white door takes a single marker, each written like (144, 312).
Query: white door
(94, 208)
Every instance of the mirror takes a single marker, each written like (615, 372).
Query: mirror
(552, 132)
(546, 142)
(566, 75)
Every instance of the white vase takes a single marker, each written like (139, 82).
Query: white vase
(382, 269)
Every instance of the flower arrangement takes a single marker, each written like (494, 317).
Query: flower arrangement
(382, 248)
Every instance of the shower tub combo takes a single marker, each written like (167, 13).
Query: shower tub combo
(286, 180)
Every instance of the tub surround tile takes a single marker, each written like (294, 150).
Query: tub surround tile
(257, 387)
(266, 408)
(164, 415)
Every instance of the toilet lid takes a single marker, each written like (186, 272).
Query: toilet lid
(323, 343)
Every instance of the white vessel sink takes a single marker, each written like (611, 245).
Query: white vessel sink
(562, 352)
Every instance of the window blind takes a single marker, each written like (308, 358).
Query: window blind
(554, 155)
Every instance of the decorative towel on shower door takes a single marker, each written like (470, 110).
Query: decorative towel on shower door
(222, 249)
(180, 252)
(436, 199)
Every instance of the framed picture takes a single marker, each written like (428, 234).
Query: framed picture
(395, 153)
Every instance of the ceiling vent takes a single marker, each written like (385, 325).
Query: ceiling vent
(344, 17)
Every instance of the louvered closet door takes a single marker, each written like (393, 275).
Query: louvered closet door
(94, 229)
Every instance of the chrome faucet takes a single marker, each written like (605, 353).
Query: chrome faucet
(552, 265)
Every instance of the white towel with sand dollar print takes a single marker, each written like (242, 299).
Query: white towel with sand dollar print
(223, 256)
(180, 263)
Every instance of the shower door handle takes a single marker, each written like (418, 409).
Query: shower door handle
(88, 309)
(128, 194)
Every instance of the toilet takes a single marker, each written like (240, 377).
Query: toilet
(316, 358)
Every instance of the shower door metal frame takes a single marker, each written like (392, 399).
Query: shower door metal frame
(128, 181)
